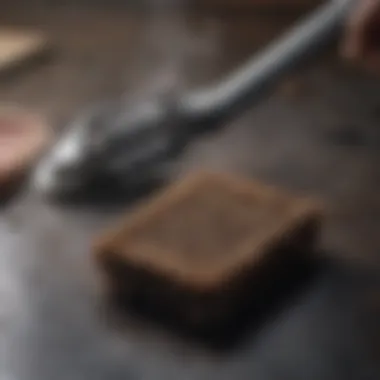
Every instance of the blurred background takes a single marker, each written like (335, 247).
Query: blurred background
(102, 47)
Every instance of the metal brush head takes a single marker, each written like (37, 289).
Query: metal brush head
(134, 144)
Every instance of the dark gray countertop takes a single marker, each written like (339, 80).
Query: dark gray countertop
(325, 142)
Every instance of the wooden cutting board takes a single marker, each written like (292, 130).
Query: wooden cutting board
(19, 47)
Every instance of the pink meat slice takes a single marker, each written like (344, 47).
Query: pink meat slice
(23, 135)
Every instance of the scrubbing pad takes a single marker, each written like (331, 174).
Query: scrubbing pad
(195, 252)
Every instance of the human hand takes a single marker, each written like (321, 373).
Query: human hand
(362, 38)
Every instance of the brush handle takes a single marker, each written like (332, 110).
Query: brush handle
(213, 106)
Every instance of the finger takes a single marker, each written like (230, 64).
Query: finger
(355, 44)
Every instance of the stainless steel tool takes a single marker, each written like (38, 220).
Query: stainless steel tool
(138, 144)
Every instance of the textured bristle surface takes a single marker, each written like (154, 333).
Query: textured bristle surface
(199, 228)
(210, 222)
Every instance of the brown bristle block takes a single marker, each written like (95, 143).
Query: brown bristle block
(200, 247)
